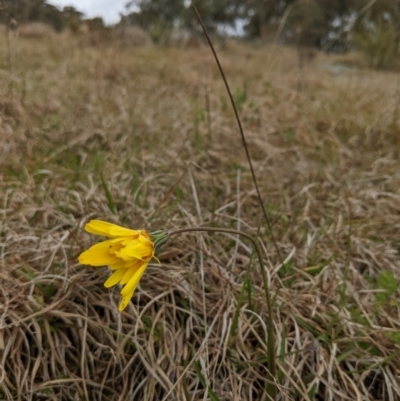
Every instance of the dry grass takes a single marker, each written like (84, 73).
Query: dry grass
(325, 143)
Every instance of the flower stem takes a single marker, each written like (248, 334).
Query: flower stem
(271, 386)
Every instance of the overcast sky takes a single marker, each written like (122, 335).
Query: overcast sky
(108, 9)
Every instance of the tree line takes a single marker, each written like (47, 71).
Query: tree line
(23, 11)
(312, 22)
(373, 25)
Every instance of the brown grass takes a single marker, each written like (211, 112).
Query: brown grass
(325, 143)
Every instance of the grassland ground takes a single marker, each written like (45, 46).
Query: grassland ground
(145, 137)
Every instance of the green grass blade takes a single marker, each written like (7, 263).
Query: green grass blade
(211, 394)
(110, 200)
(246, 285)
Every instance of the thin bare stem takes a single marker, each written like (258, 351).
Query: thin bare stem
(271, 386)
(241, 133)
(208, 116)
(3, 7)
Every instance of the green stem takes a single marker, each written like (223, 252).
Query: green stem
(270, 322)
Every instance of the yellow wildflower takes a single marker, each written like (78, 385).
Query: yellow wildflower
(127, 254)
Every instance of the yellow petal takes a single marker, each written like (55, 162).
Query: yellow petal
(125, 301)
(99, 227)
(130, 271)
(144, 234)
(136, 250)
(130, 287)
(114, 244)
(119, 264)
(115, 278)
(144, 238)
(98, 255)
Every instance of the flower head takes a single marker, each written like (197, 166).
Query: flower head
(127, 254)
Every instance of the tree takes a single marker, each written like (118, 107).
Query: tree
(307, 23)
(260, 13)
(157, 16)
(73, 18)
(151, 13)
(376, 32)
(24, 11)
(214, 13)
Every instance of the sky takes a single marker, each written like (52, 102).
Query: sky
(108, 9)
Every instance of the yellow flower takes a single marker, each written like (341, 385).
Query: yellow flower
(127, 254)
